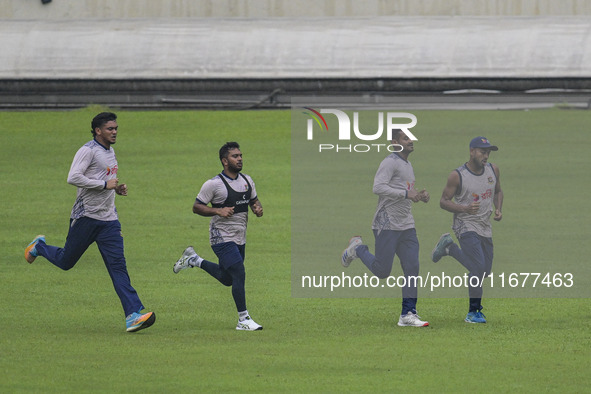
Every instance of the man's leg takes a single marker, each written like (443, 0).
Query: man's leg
(81, 235)
(486, 245)
(381, 264)
(235, 276)
(408, 253)
(470, 254)
(110, 244)
(487, 249)
(231, 271)
(216, 270)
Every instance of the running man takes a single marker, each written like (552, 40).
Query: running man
(476, 188)
(394, 227)
(94, 218)
(230, 194)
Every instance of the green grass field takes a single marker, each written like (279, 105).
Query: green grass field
(543, 164)
(64, 331)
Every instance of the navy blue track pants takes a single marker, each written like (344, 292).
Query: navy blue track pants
(403, 244)
(107, 235)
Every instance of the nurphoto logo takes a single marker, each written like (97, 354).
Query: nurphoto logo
(391, 119)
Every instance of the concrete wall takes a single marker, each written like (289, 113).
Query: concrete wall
(110, 9)
(100, 39)
(384, 47)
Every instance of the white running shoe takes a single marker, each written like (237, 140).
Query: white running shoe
(411, 320)
(183, 262)
(349, 253)
(248, 325)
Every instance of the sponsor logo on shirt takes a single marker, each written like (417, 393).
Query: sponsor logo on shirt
(245, 200)
(487, 194)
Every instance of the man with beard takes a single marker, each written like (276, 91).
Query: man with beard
(471, 193)
(230, 194)
(394, 227)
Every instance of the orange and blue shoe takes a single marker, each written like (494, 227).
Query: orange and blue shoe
(138, 321)
(31, 251)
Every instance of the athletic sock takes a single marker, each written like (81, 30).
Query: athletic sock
(195, 261)
(242, 315)
(475, 305)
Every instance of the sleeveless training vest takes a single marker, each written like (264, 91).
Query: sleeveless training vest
(239, 200)
(475, 187)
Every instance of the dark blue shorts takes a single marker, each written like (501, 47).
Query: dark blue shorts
(229, 253)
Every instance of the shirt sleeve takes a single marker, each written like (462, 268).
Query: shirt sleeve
(207, 192)
(80, 164)
(381, 182)
(254, 194)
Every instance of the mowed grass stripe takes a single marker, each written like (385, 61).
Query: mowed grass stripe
(64, 331)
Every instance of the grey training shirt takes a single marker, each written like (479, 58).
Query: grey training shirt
(393, 179)
(474, 187)
(92, 166)
(232, 229)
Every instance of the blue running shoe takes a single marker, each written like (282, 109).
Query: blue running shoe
(30, 251)
(475, 317)
(441, 249)
(138, 321)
